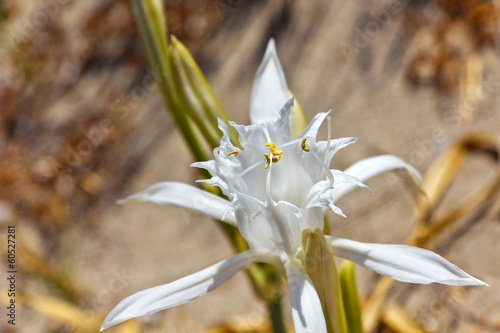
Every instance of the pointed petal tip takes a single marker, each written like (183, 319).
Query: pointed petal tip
(469, 281)
(270, 90)
(107, 323)
(366, 188)
(271, 46)
(477, 282)
(403, 263)
(127, 200)
(337, 210)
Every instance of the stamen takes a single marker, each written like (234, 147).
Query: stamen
(303, 145)
(269, 197)
(266, 133)
(290, 143)
(235, 153)
(274, 150)
(242, 173)
(327, 152)
(268, 159)
(275, 155)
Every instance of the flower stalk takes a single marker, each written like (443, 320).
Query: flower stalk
(190, 100)
(279, 185)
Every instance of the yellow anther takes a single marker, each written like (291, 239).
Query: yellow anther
(276, 154)
(268, 158)
(303, 145)
(274, 150)
(235, 153)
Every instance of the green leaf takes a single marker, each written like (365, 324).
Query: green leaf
(350, 297)
(152, 29)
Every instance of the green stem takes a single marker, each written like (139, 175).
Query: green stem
(275, 310)
(151, 24)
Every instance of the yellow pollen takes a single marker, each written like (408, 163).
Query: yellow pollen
(235, 153)
(274, 152)
(268, 158)
(303, 145)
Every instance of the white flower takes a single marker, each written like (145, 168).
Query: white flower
(278, 186)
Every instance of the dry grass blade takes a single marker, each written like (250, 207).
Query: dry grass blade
(445, 168)
(436, 183)
(397, 319)
(470, 84)
(438, 179)
(374, 307)
(73, 317)
(32, 263)
(243, 325)
(58, 310)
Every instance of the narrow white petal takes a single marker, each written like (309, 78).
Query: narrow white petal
(270, 90)
(402, 262)
(307, 313)
(335, 146)
(186, 196)
(181, 291)
(370, 167)
(320, 195)
(311, 131)
(341, 177)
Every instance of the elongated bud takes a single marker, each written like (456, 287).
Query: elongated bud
(297, 119)
(197, 95)
(151, 23)
(187, 87)
(320, 266)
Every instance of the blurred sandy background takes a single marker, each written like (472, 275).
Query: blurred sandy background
(82, 125)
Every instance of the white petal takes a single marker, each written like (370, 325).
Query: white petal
(335, 146)
(181, 291)
(402, 262)
(341, 177)
(270, 90)
(225, 141)
(312, 128)
(320, 195)
(372, 166)
(270, 227)
(186, 196)
(307, 313)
